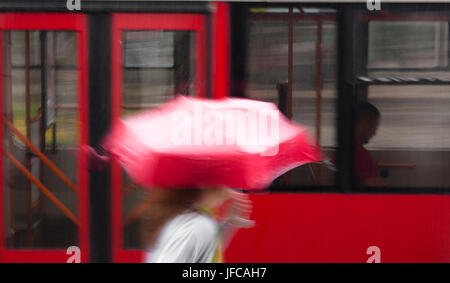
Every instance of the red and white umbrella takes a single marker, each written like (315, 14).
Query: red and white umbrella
(192, 142)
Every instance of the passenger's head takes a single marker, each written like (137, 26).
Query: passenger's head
(367, 120)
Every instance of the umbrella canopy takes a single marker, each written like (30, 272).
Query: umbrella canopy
(192, 142)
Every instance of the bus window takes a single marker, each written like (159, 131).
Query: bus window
(292, 63)
(157, 65)
(407, 74)
(411, 146)
(40, 102)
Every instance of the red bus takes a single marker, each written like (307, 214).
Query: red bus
(67, 72)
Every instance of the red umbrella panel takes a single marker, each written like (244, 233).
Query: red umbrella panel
(191, 142)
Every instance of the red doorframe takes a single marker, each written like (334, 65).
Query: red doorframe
(221, 56)
(47, 21)
(119, 23)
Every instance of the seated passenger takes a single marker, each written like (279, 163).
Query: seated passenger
(367, 120)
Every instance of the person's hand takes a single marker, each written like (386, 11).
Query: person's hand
(95, 161)
(229, 205)
(239, 209)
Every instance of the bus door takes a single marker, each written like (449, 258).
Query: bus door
(154, 57)
(43, 191)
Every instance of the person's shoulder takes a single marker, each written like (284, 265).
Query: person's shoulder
(188, 237)
(361, 151)
(200, 224)
(360, 147)
(202, 221)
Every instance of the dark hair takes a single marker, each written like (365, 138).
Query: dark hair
(165, 205)
(367, 111)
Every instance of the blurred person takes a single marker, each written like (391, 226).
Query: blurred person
(367, 121)
(185, 225)
(181, 225)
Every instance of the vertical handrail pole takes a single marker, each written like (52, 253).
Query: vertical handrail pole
(318, 94)
(290, 62)
(318, 81)
(9, 116)
(287, 178)
(28, 165)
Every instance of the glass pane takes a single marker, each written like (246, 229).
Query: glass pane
(408, 44)
(65, 109)
(63, 45)
(411, 146)
(135, 197)
(412, 116)
(157, 65)
(149, 49)
(32, 220)
(313, 81)
(329, 85)
(267, 58)
(305, 71)
(307, 74)
(17, 53)
(146, 88)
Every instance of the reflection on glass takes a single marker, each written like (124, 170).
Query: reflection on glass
(267, 58)
(411, 145)
(408, 44)
(412, 116)
(31, 219)
(314, 83)
(157, 65)
(136, 200)
(149, 49)
(268, 65)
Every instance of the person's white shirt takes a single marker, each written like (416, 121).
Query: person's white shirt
(190, 237)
